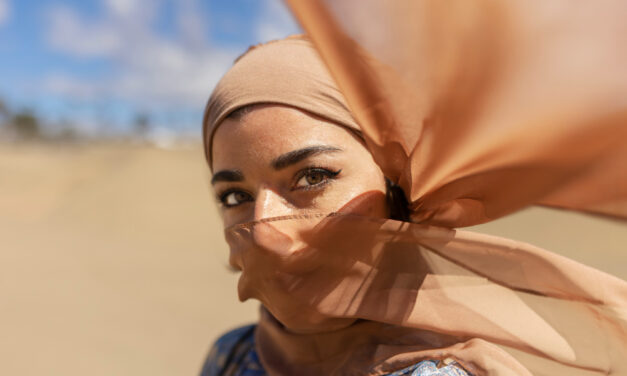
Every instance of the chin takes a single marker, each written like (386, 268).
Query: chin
(308, 323)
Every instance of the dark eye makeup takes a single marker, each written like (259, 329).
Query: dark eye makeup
(313, 178)
(234, 197)
(307, 179)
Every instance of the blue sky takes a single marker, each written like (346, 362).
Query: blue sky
(99, 63)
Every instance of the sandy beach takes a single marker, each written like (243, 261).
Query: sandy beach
(112, 260)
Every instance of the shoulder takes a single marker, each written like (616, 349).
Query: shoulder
(234, 354)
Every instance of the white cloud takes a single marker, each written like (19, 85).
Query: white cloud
(191, 23)
(5, 11)
(123, 8)
(62, 84)
(275, 21)
(150, 69)
(67, 32)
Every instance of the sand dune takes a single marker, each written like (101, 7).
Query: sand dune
(112, 260)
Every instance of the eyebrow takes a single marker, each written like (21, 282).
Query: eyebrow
(296, 156)
(278, 163)
(227, 175)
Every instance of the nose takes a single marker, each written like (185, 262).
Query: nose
(270, 204)
(274, 237)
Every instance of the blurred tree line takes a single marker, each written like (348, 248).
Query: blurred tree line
(23, 124)
(26, 125)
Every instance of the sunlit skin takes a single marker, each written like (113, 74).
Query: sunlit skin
(277, 160)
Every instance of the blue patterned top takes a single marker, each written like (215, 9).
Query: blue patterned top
(234, 354)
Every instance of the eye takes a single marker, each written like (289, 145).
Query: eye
(314, 177)
(233, 198)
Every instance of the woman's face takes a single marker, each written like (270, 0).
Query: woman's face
(277, 161)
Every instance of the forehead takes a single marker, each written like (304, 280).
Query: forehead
(271, 130)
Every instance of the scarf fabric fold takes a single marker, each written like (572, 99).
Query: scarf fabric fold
(368, 296)
(479, 108)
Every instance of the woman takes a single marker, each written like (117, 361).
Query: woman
(348, 285)
(298, 160)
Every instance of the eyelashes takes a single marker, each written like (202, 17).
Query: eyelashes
(307, 179)
(234, 197)
(314, 177)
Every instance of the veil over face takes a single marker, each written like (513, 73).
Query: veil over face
(461, 113)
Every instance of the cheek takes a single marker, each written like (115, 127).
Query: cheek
(233, 216)
(359, 193)
(368, 201)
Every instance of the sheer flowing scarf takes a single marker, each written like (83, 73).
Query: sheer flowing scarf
(477, 109)
(350, 295)
(480, 107)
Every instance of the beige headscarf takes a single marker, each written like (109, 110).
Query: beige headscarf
(288, 72)
(478, 111)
